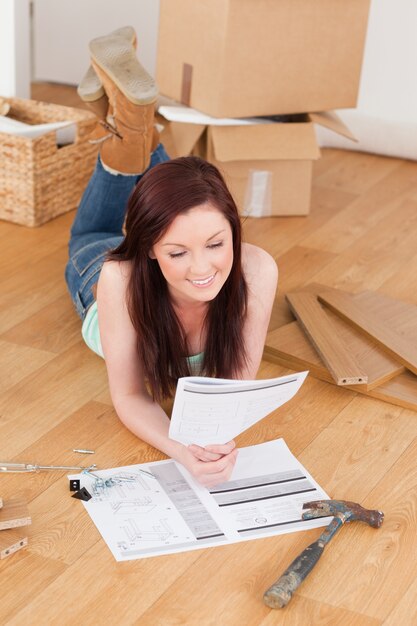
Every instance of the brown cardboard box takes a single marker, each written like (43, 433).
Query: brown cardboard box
(239, 58)
(178, 139)
(268, 167)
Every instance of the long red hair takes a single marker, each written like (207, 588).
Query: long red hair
(167, 190)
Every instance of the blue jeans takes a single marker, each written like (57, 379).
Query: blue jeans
(98, 228)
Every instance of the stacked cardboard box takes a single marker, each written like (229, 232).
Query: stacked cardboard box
(244, 58)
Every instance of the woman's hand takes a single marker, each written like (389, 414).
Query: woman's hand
(213, 452)
(215, 467)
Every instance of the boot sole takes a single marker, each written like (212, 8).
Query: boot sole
(115, 56)
(4, 107)
(90, 88)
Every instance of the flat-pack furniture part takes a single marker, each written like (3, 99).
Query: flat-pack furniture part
(323, 334)
(360, 316)
(14, 513)
(11, 541)
(388, 379)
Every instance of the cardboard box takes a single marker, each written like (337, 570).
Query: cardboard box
(239, 58)
(268, 167)
(178, 139)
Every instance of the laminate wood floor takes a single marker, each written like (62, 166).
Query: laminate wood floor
(361, 234)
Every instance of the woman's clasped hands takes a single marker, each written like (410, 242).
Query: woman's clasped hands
(210, 465)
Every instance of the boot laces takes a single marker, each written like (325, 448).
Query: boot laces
(109, 127)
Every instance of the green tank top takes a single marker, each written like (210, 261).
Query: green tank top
(91, 335)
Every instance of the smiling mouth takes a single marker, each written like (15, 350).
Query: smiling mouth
(204, 282)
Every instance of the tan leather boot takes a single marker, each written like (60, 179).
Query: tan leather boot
(92, 93)
(132, 94)
(90, 88)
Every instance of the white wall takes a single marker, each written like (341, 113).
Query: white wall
(385, 120)
(389, 75)
(63, 28)
(15, 48)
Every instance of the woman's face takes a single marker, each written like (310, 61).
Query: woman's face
(196, 254)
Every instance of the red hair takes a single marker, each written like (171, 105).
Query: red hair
(167, 190)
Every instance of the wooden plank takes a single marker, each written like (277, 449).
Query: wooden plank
(11, 541)
(398, 314)
(401, 391)
(323, 334)
(14, 513)
(289, 346)
(358, 315)
(380, 366)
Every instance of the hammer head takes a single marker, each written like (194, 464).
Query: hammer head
(345, 510)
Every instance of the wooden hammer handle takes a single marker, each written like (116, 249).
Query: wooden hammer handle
(281, 592)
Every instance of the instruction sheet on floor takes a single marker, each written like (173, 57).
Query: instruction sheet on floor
(146, 515)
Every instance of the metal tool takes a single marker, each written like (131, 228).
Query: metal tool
(83, 451)
(20, 468)
(343, 511)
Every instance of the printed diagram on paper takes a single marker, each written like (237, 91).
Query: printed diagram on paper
(143, 516)
(214, 410)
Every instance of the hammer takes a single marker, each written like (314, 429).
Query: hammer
(281, 592)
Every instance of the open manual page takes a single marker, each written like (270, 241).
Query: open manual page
(144, 515)
(214, 410)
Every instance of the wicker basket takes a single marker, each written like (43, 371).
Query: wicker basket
(38, 179)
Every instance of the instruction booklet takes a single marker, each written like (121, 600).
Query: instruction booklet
(158, 508)
(215, 410)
